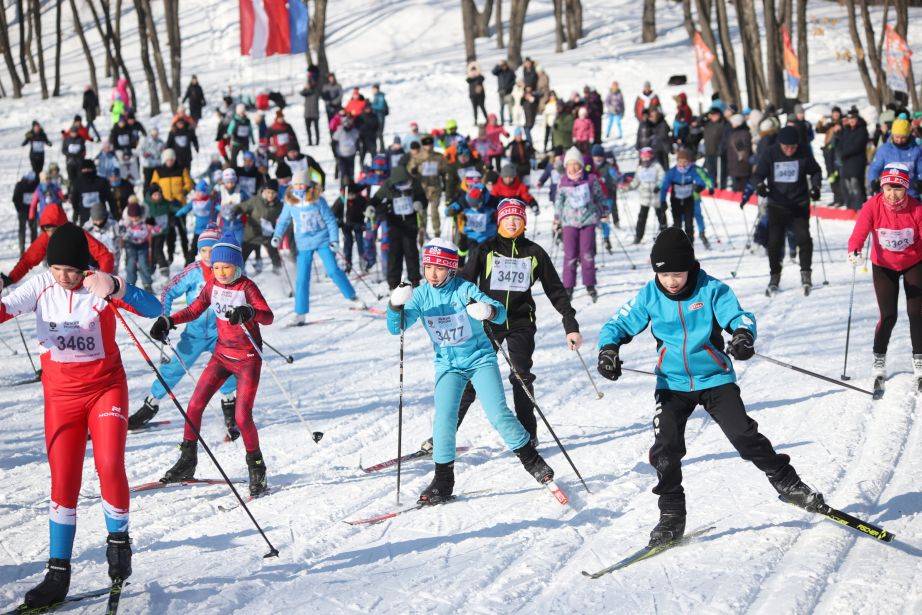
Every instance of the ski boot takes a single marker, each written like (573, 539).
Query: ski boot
(229, 407)
(773, 281)
(257, 470)
(607, 243)
(879, 371)
(357, 304)
(144, 414)
(671, 527)
(593, 293)
(534, 464)
(705, 242)
(53, 589)
(637, 240)
(184, 469)
(569, 292)
(258, 265)
(297, 320)
(118, 554)
(917, 370)
(806, 281)
(795, 491)
(441, 487)
(426, 446)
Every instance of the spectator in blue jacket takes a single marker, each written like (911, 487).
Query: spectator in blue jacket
(381, 110)
(900, 148)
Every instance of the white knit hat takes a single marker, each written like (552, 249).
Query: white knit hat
(573, 155)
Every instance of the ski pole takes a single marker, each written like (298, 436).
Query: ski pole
(745, 226)
(400, 410)
(362, 279)
(164, 359)
(273, 552)
(848, 327)
(637, 371)
(598, 393)
(38, 372)
(822, 258)
(723, 222)
(623, 249)
(288, 358)
(194, 380)
(531, 398)
(739, 261)
(291, 288)
(710, 221)
(11, 349)
(315, 435)
(814, 374)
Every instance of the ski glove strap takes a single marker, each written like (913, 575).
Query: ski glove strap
(160, 330)
(240, 314)
(741, 346)
(609, 362)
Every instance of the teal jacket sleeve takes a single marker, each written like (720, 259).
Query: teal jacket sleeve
(728, 312)
(411, 314)
(472, 293)
(631, 319)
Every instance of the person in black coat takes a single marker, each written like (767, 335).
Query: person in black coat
(22, 201)
(402, 202)
(476, 91)
(851, 151)
(196, 99)
(367, 124)
(36, 139)
(505, 81)
(90, 189)
(120, 136)
(654, 133)
(91, 109)
(182, 140)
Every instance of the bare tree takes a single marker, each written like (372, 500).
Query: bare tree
(803, 65)
(648, 32)
(166, 93)
(516, 27)
(56, 91)
(558, 26)
(37, 21)
(110, 61)
(317, 36)
(902, 27)
(752, 53)
(8, 55)
(117, 48)
(140, 11)
(171, 8)
(869, 87)
(29, 25)
(720, 70)
(467, 25)
(499, 24)
(78, 27)
(573, 11)
(773, 56)
(21, 19)
(726, 48)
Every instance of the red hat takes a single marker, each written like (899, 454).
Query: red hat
(893, 174)
(441, 252)
(510, 207)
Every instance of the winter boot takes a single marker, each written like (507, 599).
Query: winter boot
(257, 469)
(705, 242)
(441, 487)
(806, 281)
(608, 245)
(184, 469)
(671, 527)
(144, 414)
(917, 370)
(53, 589)
(118, 554)
(357, 304)
(426, 446)
(879, 368)
(637, 240)
(535, 464)
(794, 491)
(593, 293)
(297, 320)
(773, 281)
(229, 407)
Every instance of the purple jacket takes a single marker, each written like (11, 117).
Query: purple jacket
(579, 203)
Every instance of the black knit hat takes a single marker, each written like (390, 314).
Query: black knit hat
(672, 252)
(68, 246)
(788, 136)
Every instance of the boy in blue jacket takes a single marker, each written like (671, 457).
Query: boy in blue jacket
(685, 181)
(452, 311)
(478, 207)
(687, 309)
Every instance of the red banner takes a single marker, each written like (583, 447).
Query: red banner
(703, 57)
(897, 54)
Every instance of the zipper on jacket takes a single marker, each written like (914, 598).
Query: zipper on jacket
(691, 380)
(509, 292)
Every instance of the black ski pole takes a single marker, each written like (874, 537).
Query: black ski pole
(848, 328)
(637, 371)
(739, 261)
(362, 279)
(819, 236)
(623, 249)
(599, 394)
(288, 358)
(531, 398)
(814, 374)
(291, 288)
(273, 552)
(400, 409)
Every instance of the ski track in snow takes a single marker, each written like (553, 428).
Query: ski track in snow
(507, 546)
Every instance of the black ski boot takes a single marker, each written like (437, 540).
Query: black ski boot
(535, 464)
(118, 554)
(184, 469)
(607, 243)
(593, 293)
(257, 469)
(441, 487)
(671, 527)
(704, 241)
(53, 589)
(794, 491)
(229, 408)
(806, 281)
(773, 281)
(144, 414)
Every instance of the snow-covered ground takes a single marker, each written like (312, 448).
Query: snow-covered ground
(509, 547)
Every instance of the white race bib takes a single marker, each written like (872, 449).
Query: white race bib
(510, 274)
(896, 240)
(201, 209)
(243, 131)
(90, 198)
(27, 199)
(124, 139)
(646, 175)
(682, 191)
(403, 205)
(786, 172)
(38, 147)
(73, 148)
(247, 184)
(73, 336)
(476, 222)
(138, 234)
(429, 168)
(181, 140)
(224, 300)
(448, 330)
(282, 138)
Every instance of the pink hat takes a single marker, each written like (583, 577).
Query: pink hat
(441, 252)
(510, 207)
(894, 175)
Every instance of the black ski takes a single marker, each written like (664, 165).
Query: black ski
(96, 593)
(848, 520)
(150, 425)
(115, 594)
(648, 552)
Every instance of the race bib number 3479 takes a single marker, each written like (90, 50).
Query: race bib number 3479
(510, 274)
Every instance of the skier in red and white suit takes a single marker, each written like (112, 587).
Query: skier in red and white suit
(85, 391)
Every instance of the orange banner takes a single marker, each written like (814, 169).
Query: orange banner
(703, 57)
(791, 65)
(897, 54)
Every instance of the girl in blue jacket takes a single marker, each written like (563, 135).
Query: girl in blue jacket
(479, 209)
(201, 203)
(452, 310)
(316, 230)
(687, 311)
(684, 181)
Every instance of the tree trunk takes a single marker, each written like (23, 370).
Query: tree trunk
(8, 55)
(648, 33)
(171, 8)
(21, 18)
(166, 93)
(56, 91)
(803, 65)
(752, 52)
(687, 20)
(29, 24)
(707, 35)
(37, 20)
(468, 27)
(902, 27)
(726, 47)
(558, 26)
(883, 89)
(516, 26)
(573, 26)
(145, 57)
(110, 62)
(577, 8)
(482, 19)
(498, 25)
(773, 57)
(318, 37)
(117, 47)
(870, 90)
(78, 27)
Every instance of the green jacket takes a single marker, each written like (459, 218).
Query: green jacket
(562, 133)
(257, 209)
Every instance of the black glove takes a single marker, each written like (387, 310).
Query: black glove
(160, 330)
(762, 190)
(814, 194)
(918, 185)
(875, 186)
(740, 347)
(609, 363)
(240, 314)
(710, 191)
(655, 189)
(535, 207)
(6, 280)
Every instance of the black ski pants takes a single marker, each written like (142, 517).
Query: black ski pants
(725, 406)
(313, 130)
(642, 220)
(25, 223)
(887, 289)
(683, 215)
(403, 247)
(37, 160)
(520, 343)
(780, 219)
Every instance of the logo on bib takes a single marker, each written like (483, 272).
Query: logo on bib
(695, 306)
(53, 326)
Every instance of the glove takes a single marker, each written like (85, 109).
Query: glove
(535, 207)
(609, 363)
(710, 191)
(856, 258)
(417, 206)
(762, 190)
(740, 347)
(875, 186)
(4, 281)
(370, 212)
(742, 203)
(814, 194)
(655, 189)
(160, 330)
(481, 311)
(240, 314)
(104, 285)
(275, 241)
(334, 247)
(401, 294)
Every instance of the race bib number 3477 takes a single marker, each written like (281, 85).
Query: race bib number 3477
(448, 330)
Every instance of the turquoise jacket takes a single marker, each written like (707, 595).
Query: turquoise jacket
(687, 329)
(459, 341)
